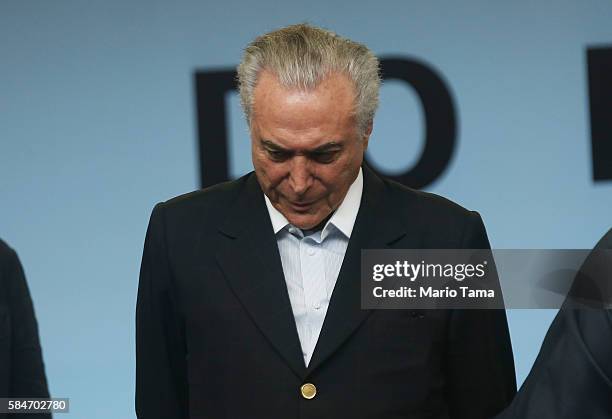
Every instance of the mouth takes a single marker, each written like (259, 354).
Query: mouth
(300, 206)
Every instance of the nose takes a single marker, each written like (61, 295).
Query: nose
(300, 177)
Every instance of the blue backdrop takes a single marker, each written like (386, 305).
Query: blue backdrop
(97, 124)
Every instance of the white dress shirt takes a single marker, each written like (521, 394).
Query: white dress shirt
(311, 263)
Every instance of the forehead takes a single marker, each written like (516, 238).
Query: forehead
(293, 117)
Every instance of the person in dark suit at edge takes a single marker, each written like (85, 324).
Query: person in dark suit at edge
(249, 293)
(22, 373)
(572, 375)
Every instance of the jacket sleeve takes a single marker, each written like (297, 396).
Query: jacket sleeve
(27, 372)
(161, 381)
(481, 373)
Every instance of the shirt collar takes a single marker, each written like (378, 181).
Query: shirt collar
(343, 218)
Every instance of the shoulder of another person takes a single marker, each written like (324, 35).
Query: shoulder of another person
(6, 252)
(8, 261)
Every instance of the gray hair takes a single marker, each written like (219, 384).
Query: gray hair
(301, 56)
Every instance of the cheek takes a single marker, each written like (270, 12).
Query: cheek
(336, 180)
(335, 175)
(272, 173)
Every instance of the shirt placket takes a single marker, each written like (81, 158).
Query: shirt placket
(312, 260)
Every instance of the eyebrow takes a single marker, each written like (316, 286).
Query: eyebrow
(330, 146)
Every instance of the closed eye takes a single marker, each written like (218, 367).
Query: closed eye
(324, 157)
(278, 155)
(325, 154)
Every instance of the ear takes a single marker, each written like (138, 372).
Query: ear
(366, 135)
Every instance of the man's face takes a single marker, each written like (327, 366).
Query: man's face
(306, 147)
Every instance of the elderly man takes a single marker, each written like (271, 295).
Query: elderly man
(249, 294)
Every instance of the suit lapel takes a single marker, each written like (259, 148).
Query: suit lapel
(251, 263)
(377, 226)
(250, 260)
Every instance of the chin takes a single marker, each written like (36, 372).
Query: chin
(305, 222)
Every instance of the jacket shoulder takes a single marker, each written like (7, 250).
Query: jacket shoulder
(8, 258)
(441, 222)
(435, 206)
(6, 251)
(211, 202)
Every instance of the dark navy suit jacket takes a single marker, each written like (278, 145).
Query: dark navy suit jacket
(216, 337)
(572, 375)
(22, 372)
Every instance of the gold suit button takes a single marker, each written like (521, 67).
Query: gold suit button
(308, 391)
